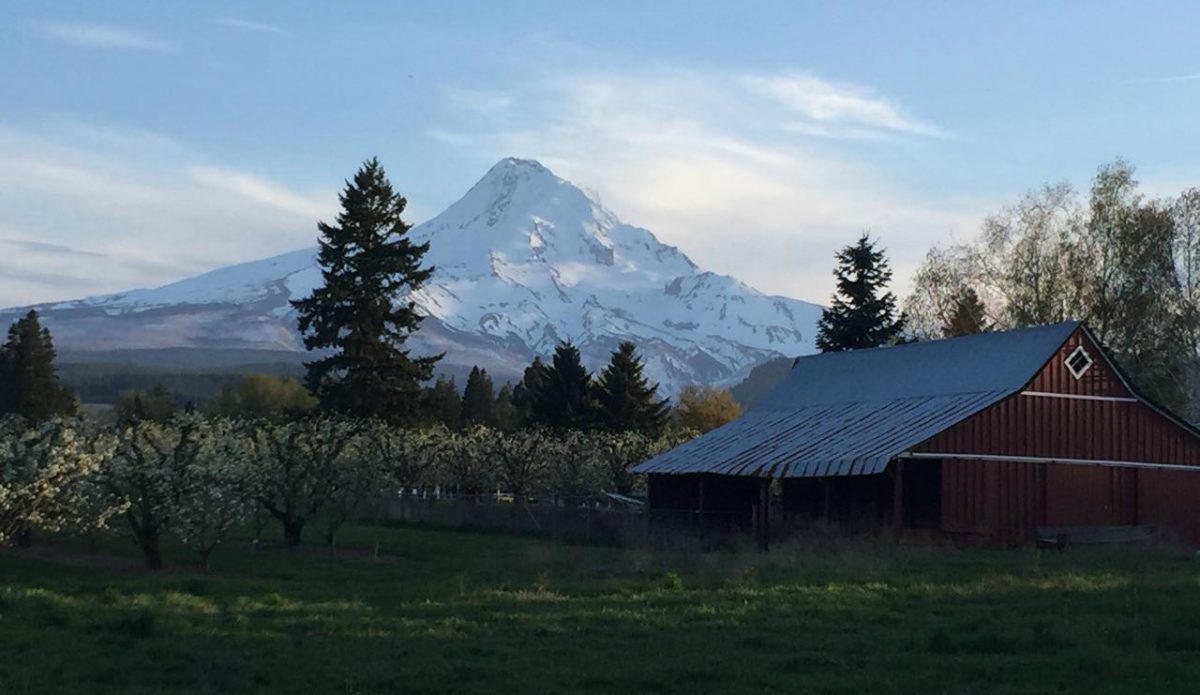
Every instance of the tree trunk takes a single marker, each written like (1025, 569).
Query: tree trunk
(152, 551)
(292, 528)
(519, 509)
(24, 537)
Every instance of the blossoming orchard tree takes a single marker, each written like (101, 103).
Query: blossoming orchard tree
(299, 460)
(522, 462)
(348, 482)
(216, 488)
(47, 476)
(194, 479)
(409, 458)
(466, 463)
(190, 476)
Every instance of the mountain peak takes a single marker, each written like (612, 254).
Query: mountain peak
(510, 171)
(523, 259)
(517, 163)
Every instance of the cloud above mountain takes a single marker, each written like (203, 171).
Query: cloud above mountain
(86, 210)
(760, 175)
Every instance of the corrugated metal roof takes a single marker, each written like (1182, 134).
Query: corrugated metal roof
(850, 413)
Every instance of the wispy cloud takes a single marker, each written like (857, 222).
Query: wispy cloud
(111, 210)
(249, 25)
(1173, 78)
(255, 189)
(43, 247)
(101, 36)
(833, 106)
(706, 159)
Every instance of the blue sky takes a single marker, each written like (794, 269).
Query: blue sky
(141, 142)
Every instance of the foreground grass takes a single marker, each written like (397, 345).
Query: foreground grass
(461, 612)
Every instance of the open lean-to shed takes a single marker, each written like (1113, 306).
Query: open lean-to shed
(982, 439)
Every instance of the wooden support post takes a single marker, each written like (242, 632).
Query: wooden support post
(898, 500)
(764, 513)
(827, 511)
(648, 507)
(700, 503)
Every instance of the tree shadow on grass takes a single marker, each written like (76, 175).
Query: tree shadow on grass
(935, 623)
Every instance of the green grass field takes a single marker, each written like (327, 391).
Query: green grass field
(443, 611)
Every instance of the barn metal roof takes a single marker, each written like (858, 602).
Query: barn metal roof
(850, 413)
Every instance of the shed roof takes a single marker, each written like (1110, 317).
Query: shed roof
(850, 413)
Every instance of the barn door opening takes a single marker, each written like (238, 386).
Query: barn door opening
(922, 494)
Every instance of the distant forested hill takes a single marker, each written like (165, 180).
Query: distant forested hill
(761, 380)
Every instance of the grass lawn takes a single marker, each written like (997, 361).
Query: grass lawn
(443, 611)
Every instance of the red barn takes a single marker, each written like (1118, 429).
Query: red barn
(987, 439)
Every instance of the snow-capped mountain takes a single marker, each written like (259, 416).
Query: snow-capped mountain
(523, 260)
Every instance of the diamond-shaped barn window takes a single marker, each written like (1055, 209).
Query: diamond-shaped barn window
(1079, 361)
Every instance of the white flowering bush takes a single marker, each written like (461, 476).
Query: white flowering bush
(47, 477)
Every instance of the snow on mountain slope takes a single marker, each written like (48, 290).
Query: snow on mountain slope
(523, 260)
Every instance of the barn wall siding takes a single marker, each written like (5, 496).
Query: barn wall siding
(1170, 500)
(992, 503)
(1002, 503)
(1099, 380)
(1060, 428)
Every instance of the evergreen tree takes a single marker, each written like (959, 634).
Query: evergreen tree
(967, 316)
(627, 400)
(532, 382)
(29, 384)
(157, 405)
(441, 403)
(507, 418)
(478, 402)
(862, 314)
(367, 262)
(564, 399)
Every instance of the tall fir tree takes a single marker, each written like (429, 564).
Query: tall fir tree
(441, 403)
(29, 384)
(523, 394)
(967, 317)
(626, 399)
(507, 418)
(564, 399)
(367, 263)
(862, 314)
(479, 399)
